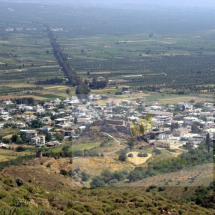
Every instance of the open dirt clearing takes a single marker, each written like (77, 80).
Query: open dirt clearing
(138, 160)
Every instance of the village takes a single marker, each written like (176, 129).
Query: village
(178, 126)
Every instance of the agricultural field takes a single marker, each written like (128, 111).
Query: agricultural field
(8, 155)
(121, 47)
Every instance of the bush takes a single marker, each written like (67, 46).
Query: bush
(161, 189)
(97, 182)
(142, 154)
(157, 151)
(19, 181)
(85, 176)
(130, 155)
(79, 208)
(117, 212)
(113, 181)
(63, 172)
(152, 186)
(77, 169)
(106, 175)
(9, 182)
(20, 149)
(147, 190)
(120, 176)
(118, 93)
(72, 212)
(123, 157)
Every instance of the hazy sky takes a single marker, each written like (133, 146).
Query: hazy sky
(128, 4)
(142, 3)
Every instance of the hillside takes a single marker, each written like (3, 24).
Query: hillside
(19, 197)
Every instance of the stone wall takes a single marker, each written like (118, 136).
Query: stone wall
(114, 122)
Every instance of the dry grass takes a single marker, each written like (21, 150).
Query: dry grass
(4, 158)
(185, 99)
(25, 96)
(95, 165)
(6, 155)
(58, 87)
(18, 85)
(122, 97)
(8, 136)
(41, 175)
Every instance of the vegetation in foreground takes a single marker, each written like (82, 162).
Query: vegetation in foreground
(19, 197)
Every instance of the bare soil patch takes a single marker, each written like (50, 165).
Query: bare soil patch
(138, 160)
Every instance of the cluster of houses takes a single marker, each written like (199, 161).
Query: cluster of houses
(72, 116)
(20, 29)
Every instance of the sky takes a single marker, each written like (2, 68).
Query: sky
(127, 4)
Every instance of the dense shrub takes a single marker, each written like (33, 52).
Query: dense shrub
(142, 154)
(72, 212)
(63, 172)
(97, 182)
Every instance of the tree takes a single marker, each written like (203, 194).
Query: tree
(135, 175)
(120, 176)
(48, 137)
(207, 141)
(75, 120)
(174, 126)
(36, 124)
(97, 182)
(59, 136)
(106, 175)
(86, 81)
(85, 176)
(98, 84)
(142, 128)
(14, 138)
(195, 128)
(183, 108)
(131, 144)
(122, 157)
(20, 149)
(68, 91)
(130, 155)
(82, 90)
(157, 151)
(142, 154)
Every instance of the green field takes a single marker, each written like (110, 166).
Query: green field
(77, 147)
